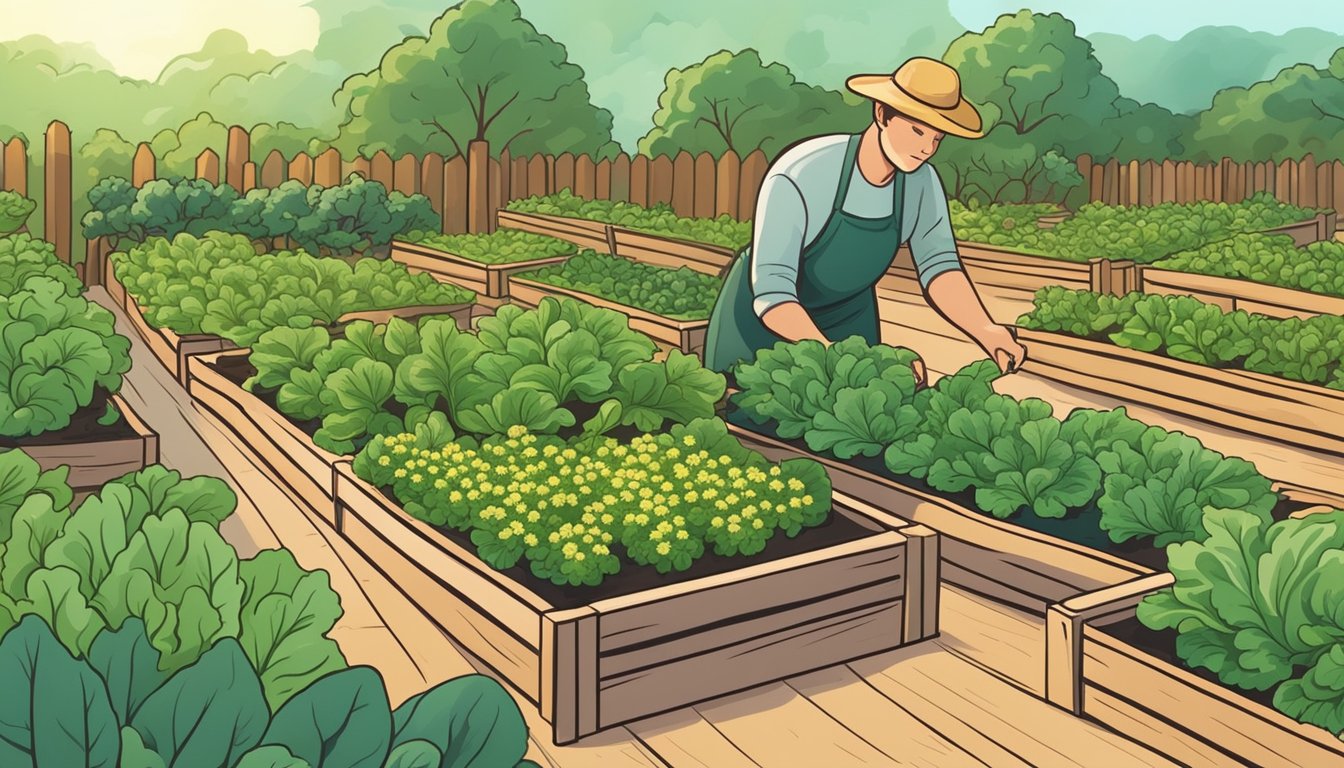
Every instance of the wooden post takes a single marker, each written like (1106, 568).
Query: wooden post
(1099, 275)
(327, 169)
(585, 177)
(301, 169)
(273, 170)
(143, 166)
(478, 187)
(639, 180)
(564, 173)
(360, 165)
(1085, 170)
(57, 193)
(248, 177)
(753, 175)
(705, 183)
(236, 156)
(207, 166)
(620, 178)
(660, 180)
(728, 177)
(455, 195)
(431, 182)
(683, 184)
(538, 178)
(494, 198)
(16, 166)
(380, 169)
(405, 174)
(603, 191)
(504, 189)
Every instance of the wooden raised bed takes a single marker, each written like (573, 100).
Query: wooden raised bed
(1232, 293)
(281, 450)
(1160, 704)
(584, 233)
(991, 557)
(672, 253)
(489, 280)
(95, 461)
(1255, 403)
(1320, 227)
(619, 659)
(686, 335)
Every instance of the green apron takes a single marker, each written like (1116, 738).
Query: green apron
(837, 280)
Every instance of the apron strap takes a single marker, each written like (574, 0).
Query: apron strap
(846, 172)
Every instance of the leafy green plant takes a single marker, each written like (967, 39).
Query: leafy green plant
(665, 498)
(849, 398)
(1255, 602)
(1182, 327)
(14, 211)
(353, 217)
(532, 368)
(59, 349)
(680, 293)
(23, 256)
(1269, 259)
(504, 246)
(116, 705)
(147, 547)
(659, 219)
(218, 284)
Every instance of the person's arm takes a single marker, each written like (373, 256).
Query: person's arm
(777, 247)
(945, 283)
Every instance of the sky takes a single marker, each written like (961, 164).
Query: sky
(1166, 18)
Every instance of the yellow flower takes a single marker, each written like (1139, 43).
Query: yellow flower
(400, 473)
(399, 449)
(473, 495)
(655, 535)
(758, 523)
(389, 441)
(505, 534)
(440, 484)
(530, 540)
(734, 527)
(717, 522)
(683, 534)
(383, 461)
(578, 556)
(807, 500)
(455, 497)
(776, 486)
(795, 484)
(795, 502)
(692, 497)
(570, 549)
(664, 548)
(688, 440)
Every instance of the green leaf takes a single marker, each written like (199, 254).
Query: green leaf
(53, 594)
(271, 757)
(472, 721)
(202, 499)
(524, 406)
(343, 720)
(281, 351)
(110, 416)
(416, 753)
(134, 753)
(678, 390)
(209, 714)
(607, 418)
(20, 476)
(1318, 696)
(55, 710)
(129, 665)
(36, 525)
(286, 613)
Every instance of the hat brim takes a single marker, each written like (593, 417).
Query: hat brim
(962, 120)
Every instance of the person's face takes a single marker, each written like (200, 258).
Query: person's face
(907, 143)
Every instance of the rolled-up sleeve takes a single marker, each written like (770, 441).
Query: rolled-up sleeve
(932, 244)
(777, 243)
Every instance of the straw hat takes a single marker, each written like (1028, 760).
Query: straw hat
(926, 90)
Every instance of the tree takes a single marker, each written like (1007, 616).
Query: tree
(1298, 112)
(1041, 77)
(482, 73)
(1002, 168)
(733, 102)
(1145, 132)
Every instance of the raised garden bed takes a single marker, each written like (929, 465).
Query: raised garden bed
(686, 335)
(1232, 293)
(488, 280)
(1102, 665)
(670, 252)
(1320, 227)
(584, 233)
(995, 558)
(1255, 403)
(280, 449)
(591, 662)
(95, 453)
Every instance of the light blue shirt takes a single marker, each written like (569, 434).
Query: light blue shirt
(795, 201)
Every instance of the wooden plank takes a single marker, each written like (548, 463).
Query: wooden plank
(603, 190)
(236, 155)
(455, 195)
(494, 193)
(754, 167)
(273, 170)
(1235, 293)
(661, 177)
(683, 184)
(327, 168)
(538, 177)
(671, 253)
(727, 184)
(585, 177)
(478, 187)
(518, 179)
(16, 166)
(705, 182)
(582, 232)
(56, 192)
(1002, 640)
(564, 172)
(301, 169)
(406, 175)
(683, 737)
(639, 180)
(568, 696)
(381, 168)
(96, 460)
(207, 166)
(431, 182)
(143, 166)
(620, 178)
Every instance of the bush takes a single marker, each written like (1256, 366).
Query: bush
(659, 219)
(24, 256)
(1269, 259)
(682, 293)
(504, 246)
(14, 211)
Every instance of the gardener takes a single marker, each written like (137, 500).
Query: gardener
(831, 213)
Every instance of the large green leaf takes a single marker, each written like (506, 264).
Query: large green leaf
(286, 613)
(524, 406)
(472, 721)
(36, 525)
(678, 389)
(280, 351)
(202, 499)
(54, 710)
(209, 714)
(341, 721)
(53, 594)
(129, 665)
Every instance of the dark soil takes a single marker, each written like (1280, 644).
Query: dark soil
(1081, 526)
(633, 578)
(1162, 644)
(83, 428)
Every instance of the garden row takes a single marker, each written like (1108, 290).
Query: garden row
(1079, 518)
(543, 472)
(131, 632)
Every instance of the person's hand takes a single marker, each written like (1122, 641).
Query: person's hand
(1003, 348)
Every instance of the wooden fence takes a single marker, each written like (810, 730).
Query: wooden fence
(1300, 182)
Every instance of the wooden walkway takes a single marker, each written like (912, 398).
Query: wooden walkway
(970, 697)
